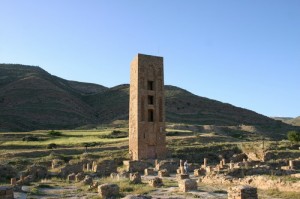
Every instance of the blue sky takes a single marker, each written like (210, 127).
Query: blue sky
(242, 52)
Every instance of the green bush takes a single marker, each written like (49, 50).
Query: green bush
(52, 146)
(115, 134)
(172, 133)
(293, 136)
(30, 138)
(55, 133)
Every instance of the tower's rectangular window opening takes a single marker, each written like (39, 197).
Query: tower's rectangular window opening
(150, 115)
(160, 110)
(150, 100)
(143, 109)
(150, 85)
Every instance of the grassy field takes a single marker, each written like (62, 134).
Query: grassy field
(68, 138)
(183, 141)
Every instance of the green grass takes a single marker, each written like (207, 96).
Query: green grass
(68, 138)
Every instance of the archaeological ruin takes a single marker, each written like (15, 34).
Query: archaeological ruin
(146, 109)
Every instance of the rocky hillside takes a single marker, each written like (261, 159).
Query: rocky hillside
(289, 120)
(31, 98)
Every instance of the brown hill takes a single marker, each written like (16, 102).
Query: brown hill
(289, 120)
(31, 98)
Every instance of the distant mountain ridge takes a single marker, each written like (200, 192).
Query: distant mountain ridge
(31, 98)
(289, 120)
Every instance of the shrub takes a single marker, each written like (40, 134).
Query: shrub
(172, 133)
(90, 144)
(115, 134)
(52, 146)
(55, 133)
(293, 136)
(30, 138)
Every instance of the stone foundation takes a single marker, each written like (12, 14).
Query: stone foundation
(135, 178)
(242, 192)
(163, 173)
(136, 166)
(156, 182)
(6, 192)
(149, 171)
(199, 172)
(71, 177)
(187, 185)
(71, 168)
(105, 167)
(171, 165)
(108, 190)
(182, 176)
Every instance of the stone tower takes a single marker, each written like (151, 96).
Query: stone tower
(147, 138)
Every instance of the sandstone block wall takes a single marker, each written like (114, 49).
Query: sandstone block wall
(6, 192)
(105, 167)
(147, 139)
(187, 185)
(242, 192)
(136, 166)
(108, 190)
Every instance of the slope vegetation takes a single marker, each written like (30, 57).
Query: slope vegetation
(31, 98)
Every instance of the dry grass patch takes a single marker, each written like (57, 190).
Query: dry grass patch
(275, 193)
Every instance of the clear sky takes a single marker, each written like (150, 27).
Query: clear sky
(242, 52)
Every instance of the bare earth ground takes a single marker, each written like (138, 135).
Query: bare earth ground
(169, 191)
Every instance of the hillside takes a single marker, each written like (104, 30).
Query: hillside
(31, 98)
(289, 120)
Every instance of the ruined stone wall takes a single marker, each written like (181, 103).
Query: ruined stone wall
(136, 166)
(105, 167)
(242, 192)
(6, 172)
(146, 109)
(263, 182)
(6, 192)
(71, 168)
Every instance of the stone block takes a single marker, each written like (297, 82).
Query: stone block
(136, 166)
(156, 182)
(79, 177)
(163, 173)
(242, 192)
(171, 165)
(114, 175)
(71, 177)
(13, 181)
(88, 180)
(135, 178)
(149, 171)
(6, 192)
(123, 175)
(208, 169)
(187, 185)
(108, 190)
(56, 163)
(182, 176)
(37, 172)
(105, 167)
(199, 172)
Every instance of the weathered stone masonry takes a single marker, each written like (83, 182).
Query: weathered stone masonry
(146, 109)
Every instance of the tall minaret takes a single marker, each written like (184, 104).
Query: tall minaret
(147, 138)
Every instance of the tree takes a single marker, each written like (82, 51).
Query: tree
(293, 136)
